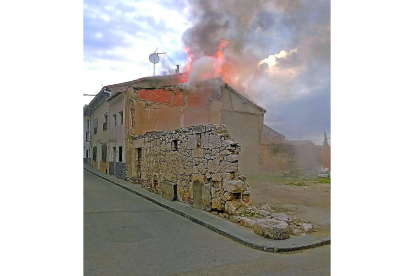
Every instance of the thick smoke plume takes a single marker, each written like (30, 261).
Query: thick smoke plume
(276, 51)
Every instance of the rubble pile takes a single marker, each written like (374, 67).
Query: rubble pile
(265, 221)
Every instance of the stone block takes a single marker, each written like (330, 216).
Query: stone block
(213, 166)
(214, 142)
(235, 219)
(229, 167)
(306, 226)
(281, 216)
(272, 229)
(233, 186)
(247, 222)
(169, 190)
(231, 207)
(216, 177)
(216, 204)
(235, 207)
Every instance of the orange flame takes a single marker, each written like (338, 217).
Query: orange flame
(220, 68)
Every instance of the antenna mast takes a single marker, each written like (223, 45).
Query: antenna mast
(154, 58)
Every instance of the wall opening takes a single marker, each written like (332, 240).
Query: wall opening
(121, 117)
(120, 154)
(139, 158)
(105, 123)
(114, 116)
(155, 184)
(174, 145)
(104, 152)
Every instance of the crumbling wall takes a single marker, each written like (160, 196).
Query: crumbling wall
(203, 161)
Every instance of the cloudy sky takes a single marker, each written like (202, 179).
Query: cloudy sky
(278, 52)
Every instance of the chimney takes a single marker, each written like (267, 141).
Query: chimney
(178, 69)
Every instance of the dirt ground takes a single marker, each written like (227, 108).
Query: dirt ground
(308, 198)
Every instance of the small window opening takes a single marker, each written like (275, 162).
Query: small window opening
(139, 157)
(120, 154)
(174, 145)
(114, 116)
(104, 152)
(121, 114)
(105, 124)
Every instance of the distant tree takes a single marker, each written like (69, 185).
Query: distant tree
(325, 140)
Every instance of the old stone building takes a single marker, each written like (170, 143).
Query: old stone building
(164, 103)
(187, 142)
(122, 115)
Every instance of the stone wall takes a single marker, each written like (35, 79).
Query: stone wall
(203, 161)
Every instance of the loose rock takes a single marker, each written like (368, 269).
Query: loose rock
(271, 228)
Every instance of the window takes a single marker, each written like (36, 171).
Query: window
(87, 137)
(121, 114)
(87, 153)
(105, 123)
(114, 116)
(95, 126)
(174, 145)
(94, 153)
(120, 154)
(104, 152)
(87, 124)
(139, 157)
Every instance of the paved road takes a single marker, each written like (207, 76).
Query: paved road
(125, 234)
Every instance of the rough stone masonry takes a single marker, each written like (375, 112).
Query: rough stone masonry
(199, 166)
(196, 165)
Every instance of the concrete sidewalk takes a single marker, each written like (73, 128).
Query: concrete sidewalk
(238, 233)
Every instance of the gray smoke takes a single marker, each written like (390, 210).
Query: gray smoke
(256, 30)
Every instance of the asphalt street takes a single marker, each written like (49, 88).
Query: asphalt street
(125, 234)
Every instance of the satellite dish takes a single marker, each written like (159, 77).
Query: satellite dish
(154, 58)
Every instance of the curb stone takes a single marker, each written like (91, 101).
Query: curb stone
(242, 236)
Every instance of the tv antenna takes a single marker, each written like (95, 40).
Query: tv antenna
(154, 58)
